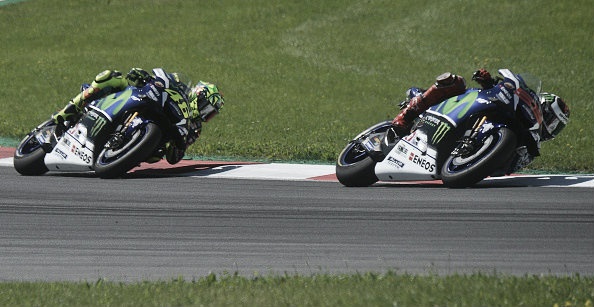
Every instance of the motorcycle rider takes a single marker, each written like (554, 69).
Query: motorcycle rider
(555, 112)
(205, 101)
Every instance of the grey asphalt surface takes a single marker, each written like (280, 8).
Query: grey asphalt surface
(77, 227)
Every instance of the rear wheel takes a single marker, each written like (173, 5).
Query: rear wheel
(464, 170)
(354, 167)
(113, 162)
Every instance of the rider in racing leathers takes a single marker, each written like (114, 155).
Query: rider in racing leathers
(554, 110)
(204, 99)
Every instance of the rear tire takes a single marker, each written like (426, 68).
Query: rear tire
(111, 164)
(461, 172)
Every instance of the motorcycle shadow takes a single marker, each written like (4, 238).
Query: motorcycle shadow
(163, 169)
(183, 169)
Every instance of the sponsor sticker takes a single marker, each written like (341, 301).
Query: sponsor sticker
(80, 154)
(395, 162)
(66, 141)
(62, 154)
(421, 162)
(401, 150)
(431, 120)
(440, 132)
(97, 126)
(93, 115)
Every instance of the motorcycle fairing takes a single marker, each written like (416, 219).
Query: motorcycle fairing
(459, 108)
(73, 152)
(412, 158)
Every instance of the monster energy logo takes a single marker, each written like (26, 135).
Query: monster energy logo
(99, 124)
(440, 132)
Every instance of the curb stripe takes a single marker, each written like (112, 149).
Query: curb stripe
(312, 172)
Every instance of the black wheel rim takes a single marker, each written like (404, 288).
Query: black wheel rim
(458, 164)
(108, 156)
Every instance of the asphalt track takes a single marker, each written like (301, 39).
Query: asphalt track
(159, 224)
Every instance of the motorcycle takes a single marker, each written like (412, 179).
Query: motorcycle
(460, 141)
(113, 135)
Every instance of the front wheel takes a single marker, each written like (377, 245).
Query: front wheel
(29, 154)
(354, 167)
(113, 162)
(464, 170)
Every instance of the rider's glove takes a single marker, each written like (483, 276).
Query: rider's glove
(483, 77)
(138, 77)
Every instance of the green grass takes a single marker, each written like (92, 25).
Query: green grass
(301, 77)
(368, 289)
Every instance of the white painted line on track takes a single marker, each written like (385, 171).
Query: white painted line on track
(272, 171)
(6, 162)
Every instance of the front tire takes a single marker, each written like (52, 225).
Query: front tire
(29, 155)
(112, 163)
(360, 174)
(354, 167)
(465, 171)
(30, 164)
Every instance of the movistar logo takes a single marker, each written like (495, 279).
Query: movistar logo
(99, 124)
(440, 132)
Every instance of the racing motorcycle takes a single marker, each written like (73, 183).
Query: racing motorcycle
(113, 135)
(461, 140)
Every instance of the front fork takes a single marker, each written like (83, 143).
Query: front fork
(117, 139)
(473, 138)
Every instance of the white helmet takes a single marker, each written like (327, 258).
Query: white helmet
(555, 113)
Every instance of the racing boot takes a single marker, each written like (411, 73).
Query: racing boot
(68, 113)
(447, 85)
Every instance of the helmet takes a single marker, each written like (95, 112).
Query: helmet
(206, 101)
(555, 113)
